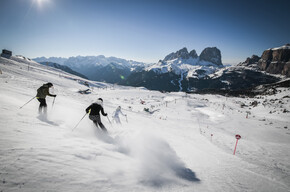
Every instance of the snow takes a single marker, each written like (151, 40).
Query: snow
(226, 82)
(219, 72)
(184, 143)
(282, 47)
(179, 81)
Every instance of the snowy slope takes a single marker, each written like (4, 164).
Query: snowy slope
(169, 148)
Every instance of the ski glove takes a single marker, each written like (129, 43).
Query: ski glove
(88, 110)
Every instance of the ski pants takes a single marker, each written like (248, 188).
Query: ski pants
(97, 121)
(42, 105)
(117, 119)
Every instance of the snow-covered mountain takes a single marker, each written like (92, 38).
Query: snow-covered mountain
(59, 60)
(181, 142)
(100, 68)
(92, 61)
(63, 67)
(174, 71)
(186, 71)
(189, 63)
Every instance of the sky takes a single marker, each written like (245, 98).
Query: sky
(143, 30)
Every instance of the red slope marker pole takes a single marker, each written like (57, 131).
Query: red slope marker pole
(237, 137)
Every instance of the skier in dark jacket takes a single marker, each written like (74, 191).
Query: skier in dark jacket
(42, 92)
(94, 111)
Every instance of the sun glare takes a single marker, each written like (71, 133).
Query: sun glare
(40, 3)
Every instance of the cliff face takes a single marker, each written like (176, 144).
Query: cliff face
(212, 54)
(276, 60)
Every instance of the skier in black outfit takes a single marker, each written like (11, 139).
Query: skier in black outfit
(42, 92)
(94, 111)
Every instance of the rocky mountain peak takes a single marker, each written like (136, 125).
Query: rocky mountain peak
(211, 54)
(250, 60)
(276, 60)
(193, 54)
(182, 53)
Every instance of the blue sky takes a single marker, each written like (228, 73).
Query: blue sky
(145, 30)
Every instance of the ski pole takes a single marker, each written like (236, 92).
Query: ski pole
(53, 102)
(79, 122)
(126, 119)
(109, 120)
(27, 102)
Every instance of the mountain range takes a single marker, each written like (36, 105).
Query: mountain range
(183, 70)
(98, 68)
(121, 71)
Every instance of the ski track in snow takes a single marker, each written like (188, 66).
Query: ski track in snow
(184, 143)
(179, 81)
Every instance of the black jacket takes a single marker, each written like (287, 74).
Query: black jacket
(43, 91)
(95, 109)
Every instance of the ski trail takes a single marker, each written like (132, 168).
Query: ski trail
(179, 81)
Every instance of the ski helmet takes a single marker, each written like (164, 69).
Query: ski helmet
(49, 84)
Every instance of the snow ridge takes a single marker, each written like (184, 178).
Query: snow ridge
(287, 46)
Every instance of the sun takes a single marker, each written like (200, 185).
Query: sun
(41, 3)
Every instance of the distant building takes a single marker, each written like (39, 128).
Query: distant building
(6, 53)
